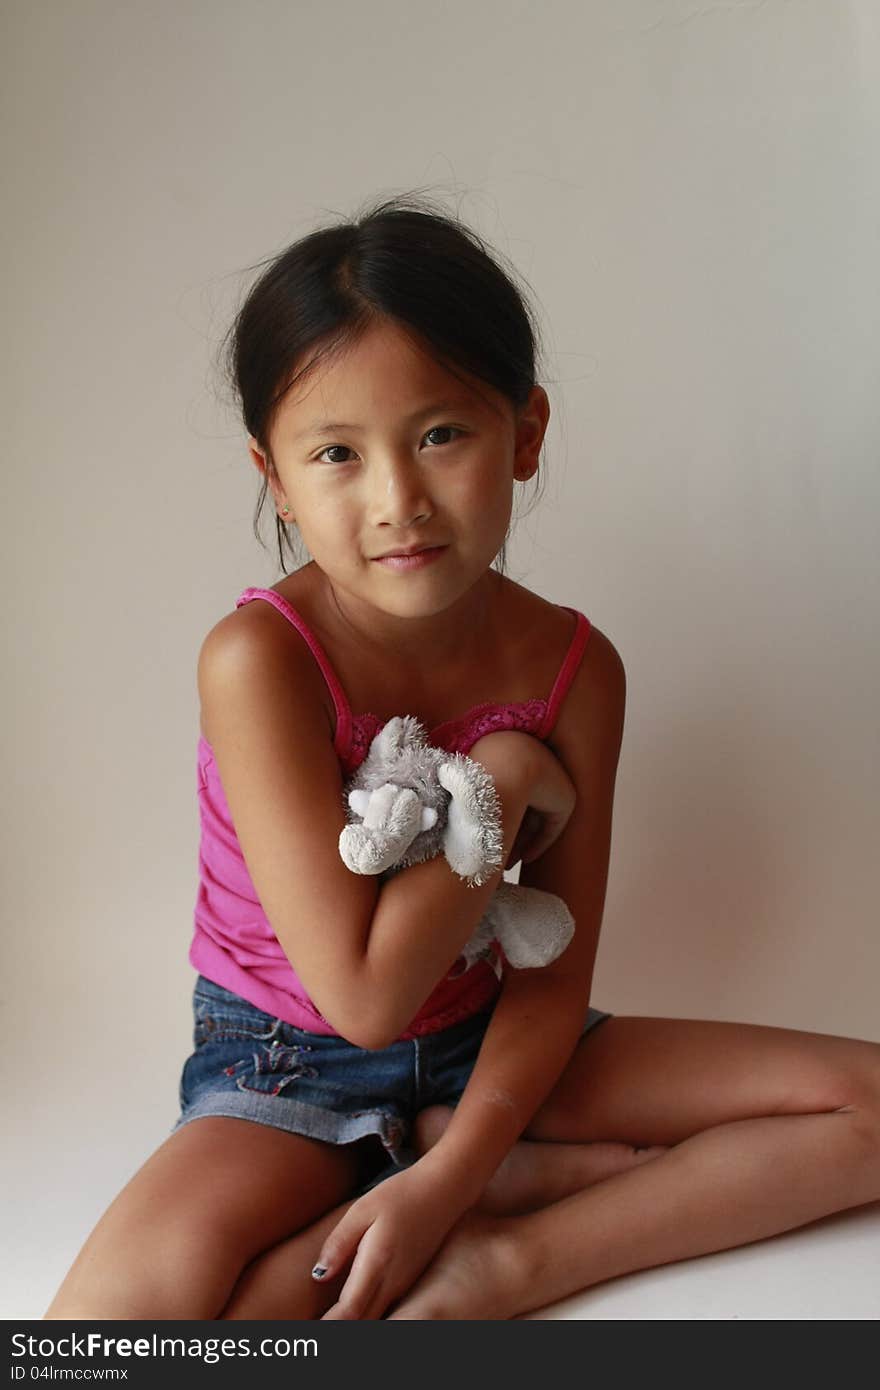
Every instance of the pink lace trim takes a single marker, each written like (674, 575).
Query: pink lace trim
(463, 733)
(364, 728)
(472, 1003)
(457, 735)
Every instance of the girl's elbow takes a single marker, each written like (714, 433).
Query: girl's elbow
(371, 1016)
(370, 1034)
(363, 1024)
(364, 1008)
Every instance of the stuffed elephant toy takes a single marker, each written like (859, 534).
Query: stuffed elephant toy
(410, 801)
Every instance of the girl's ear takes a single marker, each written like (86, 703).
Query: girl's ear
(259, 457)
(531, 426)
(257, 454)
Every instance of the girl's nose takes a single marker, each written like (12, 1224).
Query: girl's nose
(399, 494)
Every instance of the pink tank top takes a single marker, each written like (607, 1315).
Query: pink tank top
(233, 943)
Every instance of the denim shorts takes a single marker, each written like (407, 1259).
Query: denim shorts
(248, 1065)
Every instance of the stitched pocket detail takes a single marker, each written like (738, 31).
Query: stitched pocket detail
(272, 1068)
(215, 1021)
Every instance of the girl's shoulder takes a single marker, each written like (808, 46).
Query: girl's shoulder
(258, 626)
(584, 658)
(535, 619)
(547, 635)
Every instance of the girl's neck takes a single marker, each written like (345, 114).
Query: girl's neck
(462, 634)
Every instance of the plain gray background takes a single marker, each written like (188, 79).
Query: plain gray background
(692, 192)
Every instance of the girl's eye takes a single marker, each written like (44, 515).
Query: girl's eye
(437, 429)
(444, 429)
(330, 447)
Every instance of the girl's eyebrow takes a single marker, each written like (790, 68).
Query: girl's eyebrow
(321, 427)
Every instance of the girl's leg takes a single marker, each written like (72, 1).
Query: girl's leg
(278, 1284)
(219, 1190)
(534, 1172)
(769, 1129)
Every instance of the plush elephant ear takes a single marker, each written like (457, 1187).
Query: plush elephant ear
(532, 927)
(399, 733)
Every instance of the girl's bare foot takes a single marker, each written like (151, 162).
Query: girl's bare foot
(477, 1274)
(534, 1173)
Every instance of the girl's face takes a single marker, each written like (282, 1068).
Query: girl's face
(382, 448)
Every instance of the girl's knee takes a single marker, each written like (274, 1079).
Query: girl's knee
(855, 1077)
(171, 1269)
(175, 1241)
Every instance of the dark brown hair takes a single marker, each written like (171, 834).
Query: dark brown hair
(401, 259)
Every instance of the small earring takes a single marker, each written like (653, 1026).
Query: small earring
(284, 510)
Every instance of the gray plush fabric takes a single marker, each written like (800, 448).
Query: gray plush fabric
(409, 801)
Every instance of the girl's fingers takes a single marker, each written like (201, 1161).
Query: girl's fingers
(536, 848)
(338, 1314)
(361, 1289)
(351, 1312)
(340, 1245)
(525, 834)
(550, 829)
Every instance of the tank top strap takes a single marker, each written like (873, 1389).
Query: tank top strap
(343, 711)
(567, 670)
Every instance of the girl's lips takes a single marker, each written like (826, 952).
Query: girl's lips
(411, 562)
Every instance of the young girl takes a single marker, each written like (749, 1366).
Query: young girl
(366, 1129)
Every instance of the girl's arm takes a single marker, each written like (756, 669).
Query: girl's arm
(368, 954)
(540, 1014)
(393, 1231)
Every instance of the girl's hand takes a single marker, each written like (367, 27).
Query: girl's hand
(530, 841)
(390, 1235)
(524, 766)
